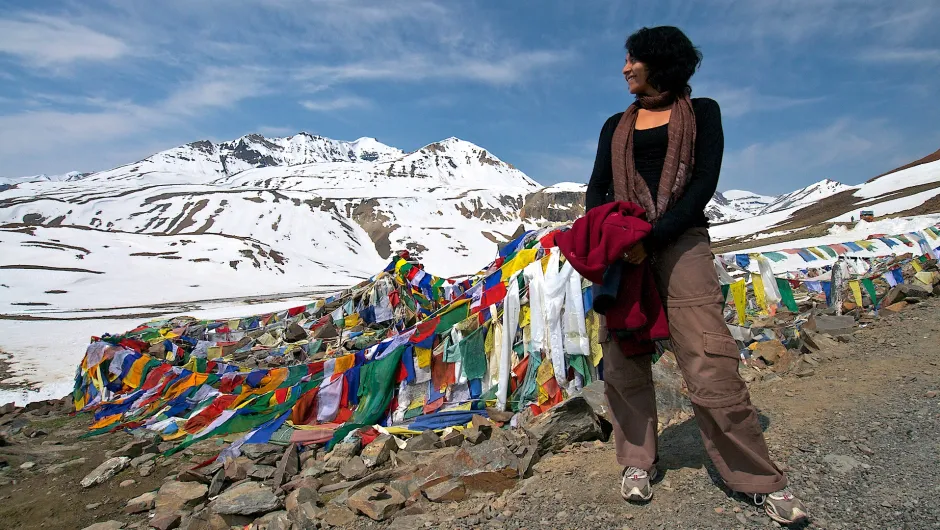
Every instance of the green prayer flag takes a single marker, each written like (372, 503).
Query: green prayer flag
(829, 250)
(580, 365)
(724, 291)
(452, 317)
(870, 289)
(786, 295)
(472, 355)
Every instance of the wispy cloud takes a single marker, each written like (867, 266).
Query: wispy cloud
(902, 55)
(45, 41)
(338, 103)
(737, 101)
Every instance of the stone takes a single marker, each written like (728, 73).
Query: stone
(105, 471)
(501, 416)
(259, 472)
(769, 350)
(128, 483)
(175, 495)
(247, 498)
(379, 450)
(488, 466)
(594, 394)
(300, 496)
(341, 453)
(930, 394)
(307, 515)
(259, 451)
(338, 516)
(453, 490)
(143, 459)
(452, 439)
(278, 520)
(165, 520)
(27, 465)
(835, 325)
(106, 525)
(238, 469)
(141, 503)
(302, 482)
(425, 441)
(672, 403)
(55, 469)
(206, 520)
(354, 469)
(146, 469)
(476, 434)
(93, 506)
(841, 463)
(287, 466)
(135, 448)
(570, 421)
(217, 483)
(295, 333)
(894, 308)
(376, 501)
(787, 360)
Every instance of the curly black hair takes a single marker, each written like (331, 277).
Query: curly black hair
(668, 54)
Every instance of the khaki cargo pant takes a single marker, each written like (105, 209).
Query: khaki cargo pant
(708, 358)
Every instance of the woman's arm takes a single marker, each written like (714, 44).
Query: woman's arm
(602, 177)
(709, 148)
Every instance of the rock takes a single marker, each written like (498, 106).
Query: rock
(841, 463)
(894, 308)
(146, 469)
(288, 465)
(489, 466)
(246, 498)
(300, 496)
(338, 516)
(165, 520)
(425, 441)
(273, 521)
(452, 439)
(865, 449)
(770, 350)
(596, 397)
(377, 501)
(127, 483)
(354, 469)
(105, 471)
(93, 506)
(143, 459)
(453, 490)
(175, 495)
(238, 469)
(307, 515)
(931, 394)
(477, 434)
(217, 483)
(671, 401)
(571, 421)
(786, 361)
(141, 503)
(206, 520)
(259, 451)
(302, 482)
(501, 416)
(107, 525)
(135, 449)
(341, 453)
(835, 325)
(295, 333)
(27, 465)
(55, 469)
(378, 451)
(258, 472)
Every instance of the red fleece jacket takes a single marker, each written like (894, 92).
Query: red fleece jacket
(595, 246)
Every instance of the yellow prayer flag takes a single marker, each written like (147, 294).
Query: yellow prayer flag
(423, 357)
(916, 265)
(759, 292)
(521, 260)
(738, 291)
(857, 292)
(818, 253)
(525, 316)
(545, 372)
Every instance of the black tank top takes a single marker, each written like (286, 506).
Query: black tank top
(649, 154)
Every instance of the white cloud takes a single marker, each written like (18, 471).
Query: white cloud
(338, 103)
(902, 55)
(45, 41)
(216, 87)
(738, 101)
(275, 130)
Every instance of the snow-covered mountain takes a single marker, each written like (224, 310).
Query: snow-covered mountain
(805, 196)
(747, 201)
(255, 215)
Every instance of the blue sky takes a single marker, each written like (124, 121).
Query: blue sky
(810, 89)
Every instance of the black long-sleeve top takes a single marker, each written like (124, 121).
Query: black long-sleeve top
(649, 155)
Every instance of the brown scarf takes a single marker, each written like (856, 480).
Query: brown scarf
(628, 184)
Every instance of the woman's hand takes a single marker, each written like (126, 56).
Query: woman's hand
(635, 254)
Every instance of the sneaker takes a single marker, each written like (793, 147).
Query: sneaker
(783, 507)
(635, 484)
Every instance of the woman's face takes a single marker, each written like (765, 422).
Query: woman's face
(637, 76)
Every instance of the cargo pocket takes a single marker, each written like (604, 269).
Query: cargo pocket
(716, 380)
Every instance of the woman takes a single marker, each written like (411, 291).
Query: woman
(664, 153)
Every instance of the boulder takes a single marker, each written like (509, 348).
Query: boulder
(570, 421)
(287, 466)
(453, 490)
(141, 503)
(354, 468)
(105, 471)
(376, 501)
(488, 466)
(835, 325)
(300, 496)
(425, 441)
(174, 496)
(379, 450)
(165, 520)
(106, 525)
(247, 498)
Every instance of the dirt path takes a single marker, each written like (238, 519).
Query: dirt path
(858, 438)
